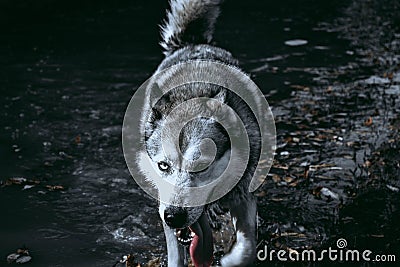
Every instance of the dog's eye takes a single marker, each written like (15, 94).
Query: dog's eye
(163, 166)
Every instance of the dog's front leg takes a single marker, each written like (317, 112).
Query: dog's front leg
(174, 250)
(244, 218)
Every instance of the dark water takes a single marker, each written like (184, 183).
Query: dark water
(69, 68)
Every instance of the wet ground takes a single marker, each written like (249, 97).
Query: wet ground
(336, 174)
(67, 74)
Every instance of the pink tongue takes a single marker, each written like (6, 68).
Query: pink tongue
(201, 248)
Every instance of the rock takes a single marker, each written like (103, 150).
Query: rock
(23, 259)
(296, 42)
(12, 257)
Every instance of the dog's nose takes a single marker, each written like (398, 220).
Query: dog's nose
(175, 217)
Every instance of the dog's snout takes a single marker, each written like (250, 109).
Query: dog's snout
(175, 217)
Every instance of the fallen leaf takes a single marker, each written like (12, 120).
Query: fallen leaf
(153, 263)
(55, 187)
(277, 199)
(296, 139)
(279, 166)
(78, 139)
(368, 122)
(300, 87)
(288, 179)
(16, 180)
(276, 178)
(261, 194)
(367, 163)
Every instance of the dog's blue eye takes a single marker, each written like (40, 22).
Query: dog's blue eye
(163, 166)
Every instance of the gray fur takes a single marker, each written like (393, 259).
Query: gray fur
(175, 251)
(240, 203)
(194, 18)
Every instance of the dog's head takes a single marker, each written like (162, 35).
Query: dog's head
(187, 148)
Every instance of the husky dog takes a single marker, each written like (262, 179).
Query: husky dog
(186, 36)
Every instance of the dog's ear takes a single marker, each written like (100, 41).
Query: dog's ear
(215, 106)
(221, 110)
(154, 94)
(151, 111)
(221, 96)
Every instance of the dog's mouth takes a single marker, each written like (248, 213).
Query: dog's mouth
(198, 237)
(185, 236)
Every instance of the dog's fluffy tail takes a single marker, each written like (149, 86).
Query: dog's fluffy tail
(189, 22)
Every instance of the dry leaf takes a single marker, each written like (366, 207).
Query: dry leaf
(368, 122)
(55, 187)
